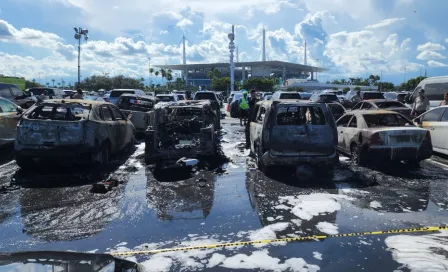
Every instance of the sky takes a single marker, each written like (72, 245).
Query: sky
(397, 39)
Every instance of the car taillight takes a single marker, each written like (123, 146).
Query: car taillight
(376, 139)
(427, 139)
(228, 107)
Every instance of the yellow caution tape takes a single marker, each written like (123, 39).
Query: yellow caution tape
(269, 241)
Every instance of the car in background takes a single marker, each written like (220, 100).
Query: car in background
(77, 131)
(382, 104)
(180, 96)
(263, 95)
(138, 107)
(230, 98)
(10, 114)
(393, 96)
(435, 88)
(234, 107)
(293, 132)
(267, 97)
(210, 96)
(382, 136)
(166, 98)
(12, 93)
(52, 93)
(336, 109)
(279, 95)
(93, 97)
(114, 94)
(436, 121)
(324, 98)
(305, 96)
(220, 98)
(67, 93)
(367, 95)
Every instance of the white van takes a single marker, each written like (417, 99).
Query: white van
(435, 88)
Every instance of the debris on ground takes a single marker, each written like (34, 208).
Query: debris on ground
(106, 185)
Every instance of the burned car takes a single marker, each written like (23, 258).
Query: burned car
(291, 132)
(381, 136)
(72, 130)
(184, 129)
(138, 106)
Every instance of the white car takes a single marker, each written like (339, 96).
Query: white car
(436, 121)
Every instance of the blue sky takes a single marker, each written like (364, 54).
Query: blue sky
(350, 37)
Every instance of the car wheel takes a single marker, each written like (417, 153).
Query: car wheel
(25, 162)
(356, 155)
(101, 157)
(261, 166)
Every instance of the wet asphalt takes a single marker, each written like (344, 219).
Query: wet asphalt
(54, 208)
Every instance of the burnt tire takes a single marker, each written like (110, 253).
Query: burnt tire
(101, 157)
(25, 162)
(357, 156)
(261, 166)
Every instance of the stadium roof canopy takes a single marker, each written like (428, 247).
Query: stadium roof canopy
(272, 64)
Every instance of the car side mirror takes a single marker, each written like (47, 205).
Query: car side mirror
(19, 110)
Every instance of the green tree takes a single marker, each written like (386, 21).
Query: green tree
(260, 84)
(214, 73)
(346, 90)
(357, 88)
(294, 89)
(31, 84)
(220, 84)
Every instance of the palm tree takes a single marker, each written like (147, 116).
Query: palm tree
(156, 73)
(53, 81)
(163, 73)
(151, 71)
(169, 77)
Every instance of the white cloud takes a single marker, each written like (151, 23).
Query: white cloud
(384, 23)
(430, 47)
(430, 55)
(432, 63)
(184, 23)
(276, 7)
(164, 32)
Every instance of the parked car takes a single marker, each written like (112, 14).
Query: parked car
(180, 96)
(305, 96)
(263, 95)
(324, 98)
(234, 105)
(367, 95)
(184, 129)
(267, 97)
(436, 121)
(382, 104)
(393, 96)
(279, 95)
(77, 131)
(230, 98)
(293, 132)
(210, 96)
(12, 93)
(114, 94)
(52, 93)
(166, 98)
(10, 114)
(336, 109)
(372, 136)
(435, 88)
(139, 108)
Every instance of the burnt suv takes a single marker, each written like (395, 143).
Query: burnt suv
(184, 129)
(290, 133)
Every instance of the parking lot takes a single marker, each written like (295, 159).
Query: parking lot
(230, 202)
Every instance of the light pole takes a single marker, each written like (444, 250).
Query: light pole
(232, 65)
(404, 76)
(78, 35)
(317, 60)
(149, 71)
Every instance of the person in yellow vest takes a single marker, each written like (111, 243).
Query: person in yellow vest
(244, 109)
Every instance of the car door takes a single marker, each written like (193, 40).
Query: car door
(341, 125)
(350, 132)
(254, 128)
(431, 120)
(126, 127)
(9, 118)
(113, 127)
(443, 129)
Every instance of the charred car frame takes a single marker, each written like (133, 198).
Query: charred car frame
(184, 129)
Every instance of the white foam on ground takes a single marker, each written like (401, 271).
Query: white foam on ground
(327, 228)
(375, 204)
(260, 260)
(158, 264)
(268, 232)
(317, 255)
(420, 253)
(215, 260)
(308, 206)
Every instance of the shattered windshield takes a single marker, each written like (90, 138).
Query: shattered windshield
(300, 115)
(386, 120)
(69, 112)
(136, 104)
